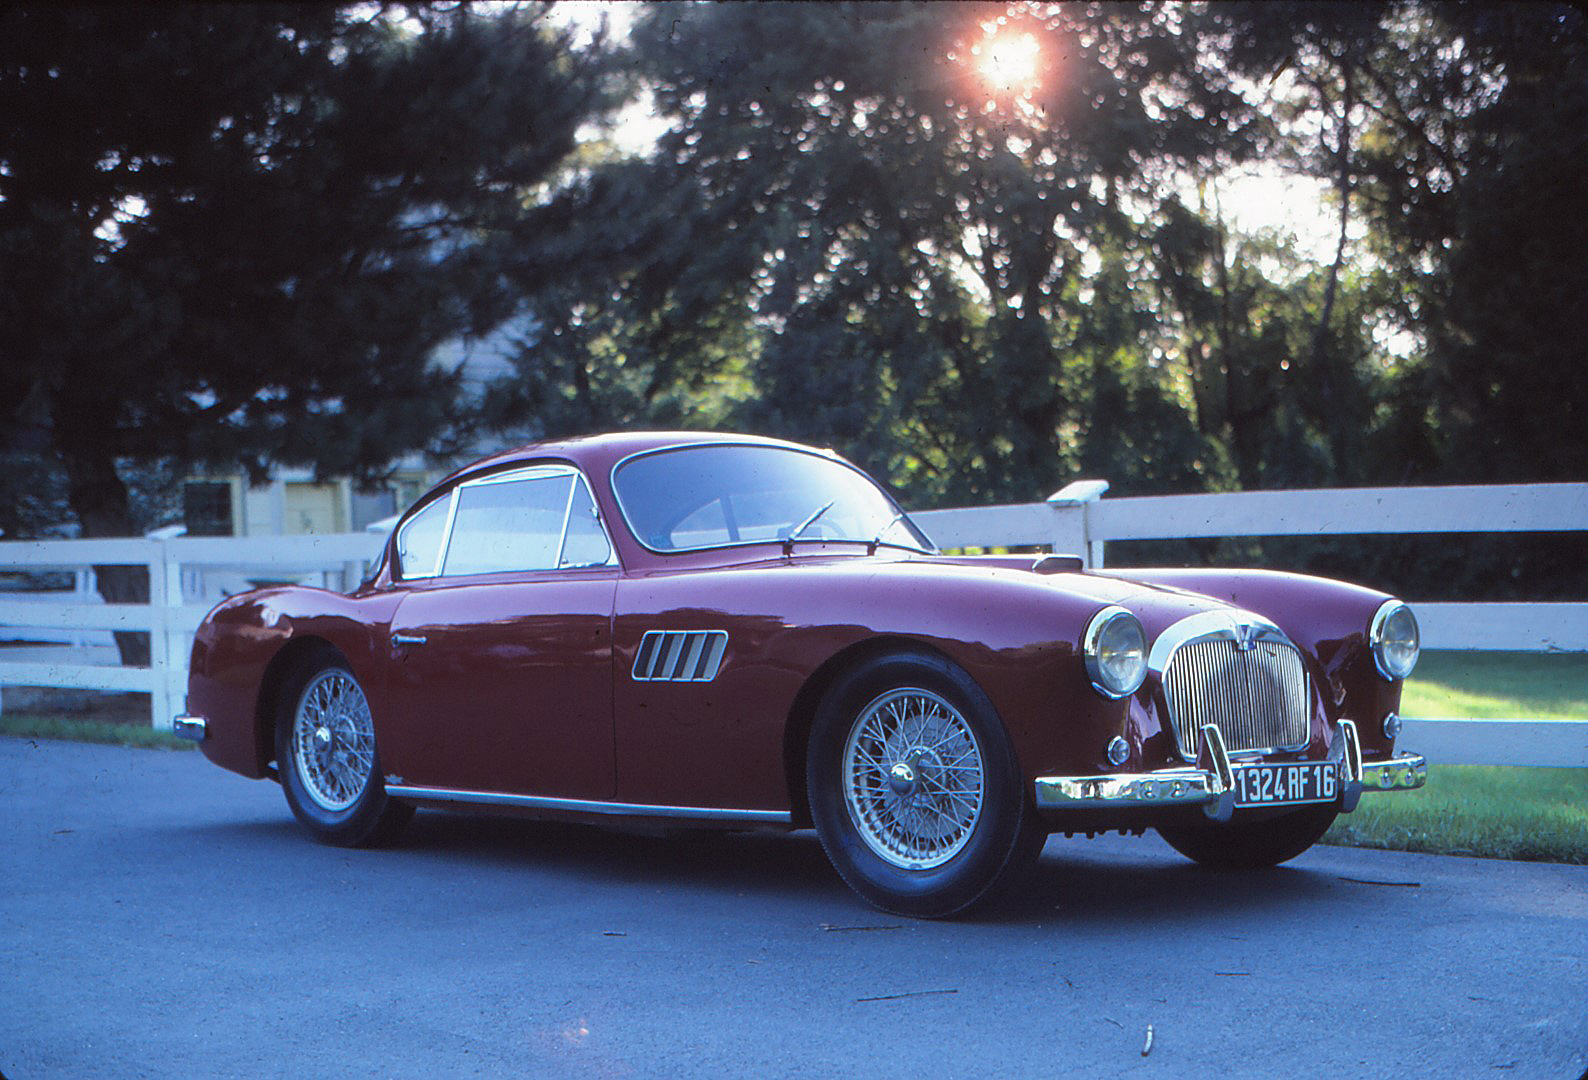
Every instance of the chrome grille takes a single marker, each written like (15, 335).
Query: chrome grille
(680, 655)
(1257, 696)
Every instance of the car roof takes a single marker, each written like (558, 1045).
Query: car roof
(597, 454)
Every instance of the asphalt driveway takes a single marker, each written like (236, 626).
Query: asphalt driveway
(160, 917)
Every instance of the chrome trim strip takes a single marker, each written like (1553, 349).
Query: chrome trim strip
(589, 806)
(1166, 787)
(194, 728)
(1210, 624)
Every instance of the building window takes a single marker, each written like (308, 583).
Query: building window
(207, 507)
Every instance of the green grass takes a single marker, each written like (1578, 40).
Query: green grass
(1499, 685)
(1492, 811)
(45, 726)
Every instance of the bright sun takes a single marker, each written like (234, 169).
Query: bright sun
(1009, 61)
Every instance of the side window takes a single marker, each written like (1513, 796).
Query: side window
(419, 542)
(508, 525)
(587, 543)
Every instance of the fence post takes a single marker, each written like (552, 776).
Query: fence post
(1072, 533)
(167, 655)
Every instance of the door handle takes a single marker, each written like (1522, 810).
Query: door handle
(399, 640)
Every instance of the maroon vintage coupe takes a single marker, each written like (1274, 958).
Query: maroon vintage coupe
(736, 631)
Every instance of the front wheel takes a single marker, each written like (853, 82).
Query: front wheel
(327, 760)
(915, 789)
(1251, 845)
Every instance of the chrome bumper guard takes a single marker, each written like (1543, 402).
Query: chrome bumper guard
(1211, 783)
(1403, 772)
(195, 728)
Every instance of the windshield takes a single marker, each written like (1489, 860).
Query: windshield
(723, 494)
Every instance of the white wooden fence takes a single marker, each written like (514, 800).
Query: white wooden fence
(1079, 519)
(181, 576)
(183, 572)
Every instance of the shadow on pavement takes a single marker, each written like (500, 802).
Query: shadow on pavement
(1076, 880)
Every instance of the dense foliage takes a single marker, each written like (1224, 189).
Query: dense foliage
(848, 235)
(237, 234)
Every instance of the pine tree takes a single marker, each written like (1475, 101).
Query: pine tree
(236, 233)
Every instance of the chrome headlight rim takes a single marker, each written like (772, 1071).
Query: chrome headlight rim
(1091, 641)
(1378, 632)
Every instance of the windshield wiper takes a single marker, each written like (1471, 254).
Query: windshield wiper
(876, 541)
(794, 533)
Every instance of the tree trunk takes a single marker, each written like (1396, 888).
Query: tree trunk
(1325, 359)
(99, 498)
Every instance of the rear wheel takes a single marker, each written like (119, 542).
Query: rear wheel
(915, 789)
(1250, 845)
(327, 759)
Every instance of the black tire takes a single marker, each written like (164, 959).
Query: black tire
(958, 767)
(327, 758)
(1252, 845)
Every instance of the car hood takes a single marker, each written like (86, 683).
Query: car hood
(1158, 606)
(1012, 582)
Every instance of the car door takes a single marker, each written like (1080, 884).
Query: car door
(500, 674)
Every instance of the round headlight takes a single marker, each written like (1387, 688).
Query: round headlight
(1395, 640)
(1115, 647)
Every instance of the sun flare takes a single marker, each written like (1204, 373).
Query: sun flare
(1009, 61)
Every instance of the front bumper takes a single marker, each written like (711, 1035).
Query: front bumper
(1212, 787)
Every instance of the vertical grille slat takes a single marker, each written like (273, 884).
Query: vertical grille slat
(689, 656)
(644, 658)
(674, 645)
(679, 655)
(1256, 696)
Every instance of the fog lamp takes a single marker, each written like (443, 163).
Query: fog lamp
(1118, 751)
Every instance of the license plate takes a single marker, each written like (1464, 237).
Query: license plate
(1277, 785)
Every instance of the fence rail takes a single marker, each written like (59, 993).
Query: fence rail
(1077, 519)
(187, 574)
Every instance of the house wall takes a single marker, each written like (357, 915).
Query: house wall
(293, 503)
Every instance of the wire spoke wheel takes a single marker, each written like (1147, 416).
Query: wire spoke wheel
(333, 740)
(913, 778)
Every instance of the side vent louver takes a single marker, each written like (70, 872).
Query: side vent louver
(680, 655)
